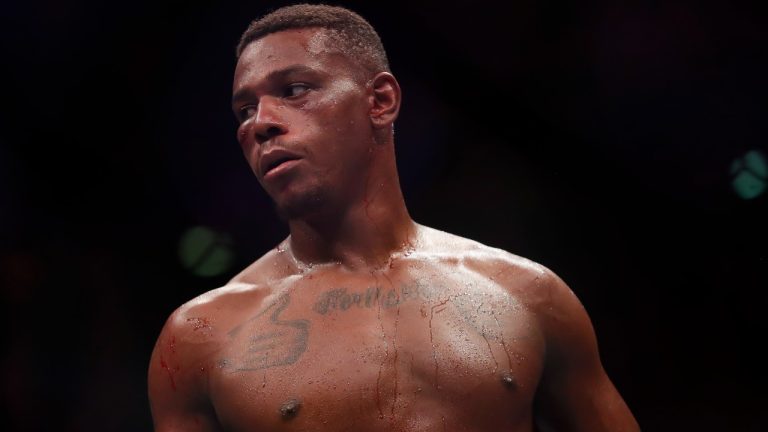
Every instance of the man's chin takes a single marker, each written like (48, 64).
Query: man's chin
(300, 206)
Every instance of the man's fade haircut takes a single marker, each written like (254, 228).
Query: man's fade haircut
(346, 30)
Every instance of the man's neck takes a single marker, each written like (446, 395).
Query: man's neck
(365, 234)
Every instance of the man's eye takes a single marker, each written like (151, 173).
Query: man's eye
(246, 112)
(297, 89)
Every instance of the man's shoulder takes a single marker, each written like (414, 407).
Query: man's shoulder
(206, 311)
(535, 286)
(515, 273)
(477, 256)
(218, 297)
(243, 290)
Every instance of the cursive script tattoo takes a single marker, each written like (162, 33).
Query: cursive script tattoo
(342, 299)
(273, 342)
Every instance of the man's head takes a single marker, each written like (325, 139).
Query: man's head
(347, 32)
(316, 106)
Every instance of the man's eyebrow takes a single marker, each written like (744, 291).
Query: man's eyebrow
(244, 93)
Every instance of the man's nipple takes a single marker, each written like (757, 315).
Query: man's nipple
(290, 408)
(508, 380)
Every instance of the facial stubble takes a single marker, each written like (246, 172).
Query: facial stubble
(302, 205)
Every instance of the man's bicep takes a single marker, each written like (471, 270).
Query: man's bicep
(171, 413)
(575, 394)
(175, 396)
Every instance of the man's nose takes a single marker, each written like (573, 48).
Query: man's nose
(270, 120)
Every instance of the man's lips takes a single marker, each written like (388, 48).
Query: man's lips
(281, 168)
(275, 161)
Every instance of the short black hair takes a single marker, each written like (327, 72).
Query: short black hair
(350, 32)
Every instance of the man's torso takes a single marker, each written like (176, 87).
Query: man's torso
(430, 342)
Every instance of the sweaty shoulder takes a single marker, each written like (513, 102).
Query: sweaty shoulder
(530, 282)
(193, 332)
(243, 291)
(210, 313)
(187, 351)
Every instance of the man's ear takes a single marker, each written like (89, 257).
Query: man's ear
(385, 100)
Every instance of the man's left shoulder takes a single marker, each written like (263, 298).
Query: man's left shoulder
(516, 274)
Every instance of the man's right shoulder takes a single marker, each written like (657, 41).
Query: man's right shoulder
(191, 339)
(206, 317)
(243, 292)
(224, 297)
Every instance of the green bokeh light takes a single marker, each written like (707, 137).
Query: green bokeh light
(750, 175)
(204, 252)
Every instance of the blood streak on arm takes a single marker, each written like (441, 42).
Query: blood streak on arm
(169, 369)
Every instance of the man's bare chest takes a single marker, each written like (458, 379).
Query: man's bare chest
(379, 350)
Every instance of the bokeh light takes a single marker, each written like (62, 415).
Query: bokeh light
(750, 175)
(205, 252)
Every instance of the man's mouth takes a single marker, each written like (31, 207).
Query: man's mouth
(277, 161)
(281, 167)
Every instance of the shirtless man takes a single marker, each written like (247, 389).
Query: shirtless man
(363, 320)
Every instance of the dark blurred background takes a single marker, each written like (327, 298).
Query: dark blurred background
(621, 144)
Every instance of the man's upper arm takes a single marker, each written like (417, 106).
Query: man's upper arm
(177, 396)
(574, 394)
